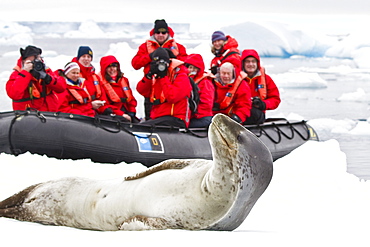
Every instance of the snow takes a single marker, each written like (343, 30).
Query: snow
(311, 197)
(311, 200)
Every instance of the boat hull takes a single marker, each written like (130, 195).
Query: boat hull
(68, 136)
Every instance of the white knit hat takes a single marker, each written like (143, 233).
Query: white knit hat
(70, 66)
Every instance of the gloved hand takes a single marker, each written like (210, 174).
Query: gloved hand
(170, 53)
(149, 75)
(108, 111)
(27, 65)
(47, 79)
(153, 68)
(258, 103)
(236, 118)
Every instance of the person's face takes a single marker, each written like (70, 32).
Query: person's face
(74, 74)
(85, 60)
(226, 75)
(193, 70)
(161, 37)
(218, 44)
(250, 65)
(33, 58)
(112, 70)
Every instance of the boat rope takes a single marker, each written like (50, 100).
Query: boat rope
(281, 133)
(17, 115)
(187, 130)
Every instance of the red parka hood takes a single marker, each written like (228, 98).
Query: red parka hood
(105, 62)
(231, 43)
(251, 53)
(197, 61)
(170, 31)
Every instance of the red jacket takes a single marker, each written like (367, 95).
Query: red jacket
(93, 85)
(122, 93)
(20, 84)
(142, 59)
(228, 53)
(272, 99)
(206, 88)
(175, 92)
(69, 103)
(241, 101)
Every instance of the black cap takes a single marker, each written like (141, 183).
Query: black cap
(160, 53)
(30, 51)
(160, 26)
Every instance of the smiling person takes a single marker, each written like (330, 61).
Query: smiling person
(225, 49)
(232, 96)
(32, 84)
(117, 87)
(264, 92)
(92, 81)
(76, 99)
(160, 36)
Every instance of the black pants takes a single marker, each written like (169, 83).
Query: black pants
(257, 117)
(200, 122)
(166, 121)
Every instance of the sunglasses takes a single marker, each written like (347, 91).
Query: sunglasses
(161, 32)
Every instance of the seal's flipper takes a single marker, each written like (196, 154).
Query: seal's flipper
(140, 222)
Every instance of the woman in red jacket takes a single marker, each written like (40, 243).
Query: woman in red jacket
(265, 94)
(225, 49)
(117, 88)
(232, 94)
(203, 115)
(76, 99)
(32, 85)
(168, 87)
(92, 80)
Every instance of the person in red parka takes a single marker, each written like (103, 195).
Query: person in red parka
(32, 84)
(92, 80)
(233, 95)
(117, 87)
(168, 88)
(265, 94)
(160, 36)
(225, 49)
(76, 99)
(203, 115)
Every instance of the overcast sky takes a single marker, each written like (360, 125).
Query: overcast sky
(216, 13)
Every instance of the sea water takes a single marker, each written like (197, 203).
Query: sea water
(326, 103)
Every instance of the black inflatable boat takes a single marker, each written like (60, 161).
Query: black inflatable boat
(68, 136)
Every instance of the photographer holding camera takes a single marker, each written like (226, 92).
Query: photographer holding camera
(32, 84)
(168, 88)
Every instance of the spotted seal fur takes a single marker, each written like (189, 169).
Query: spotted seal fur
(189, 194)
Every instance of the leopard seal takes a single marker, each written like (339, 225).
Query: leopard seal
(191, 194)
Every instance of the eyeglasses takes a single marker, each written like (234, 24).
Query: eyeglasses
(161, 32)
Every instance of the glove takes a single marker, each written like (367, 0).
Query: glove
(214, 70)
(236, 118)
(47, 79)
(153, 68)
(108, 111)
(149, 75)
(170, 53)
(258, 103)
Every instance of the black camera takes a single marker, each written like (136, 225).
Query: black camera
(161, 65)
(38, 65)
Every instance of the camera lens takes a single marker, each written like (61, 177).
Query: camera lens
(38, 65)
(162, 65)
